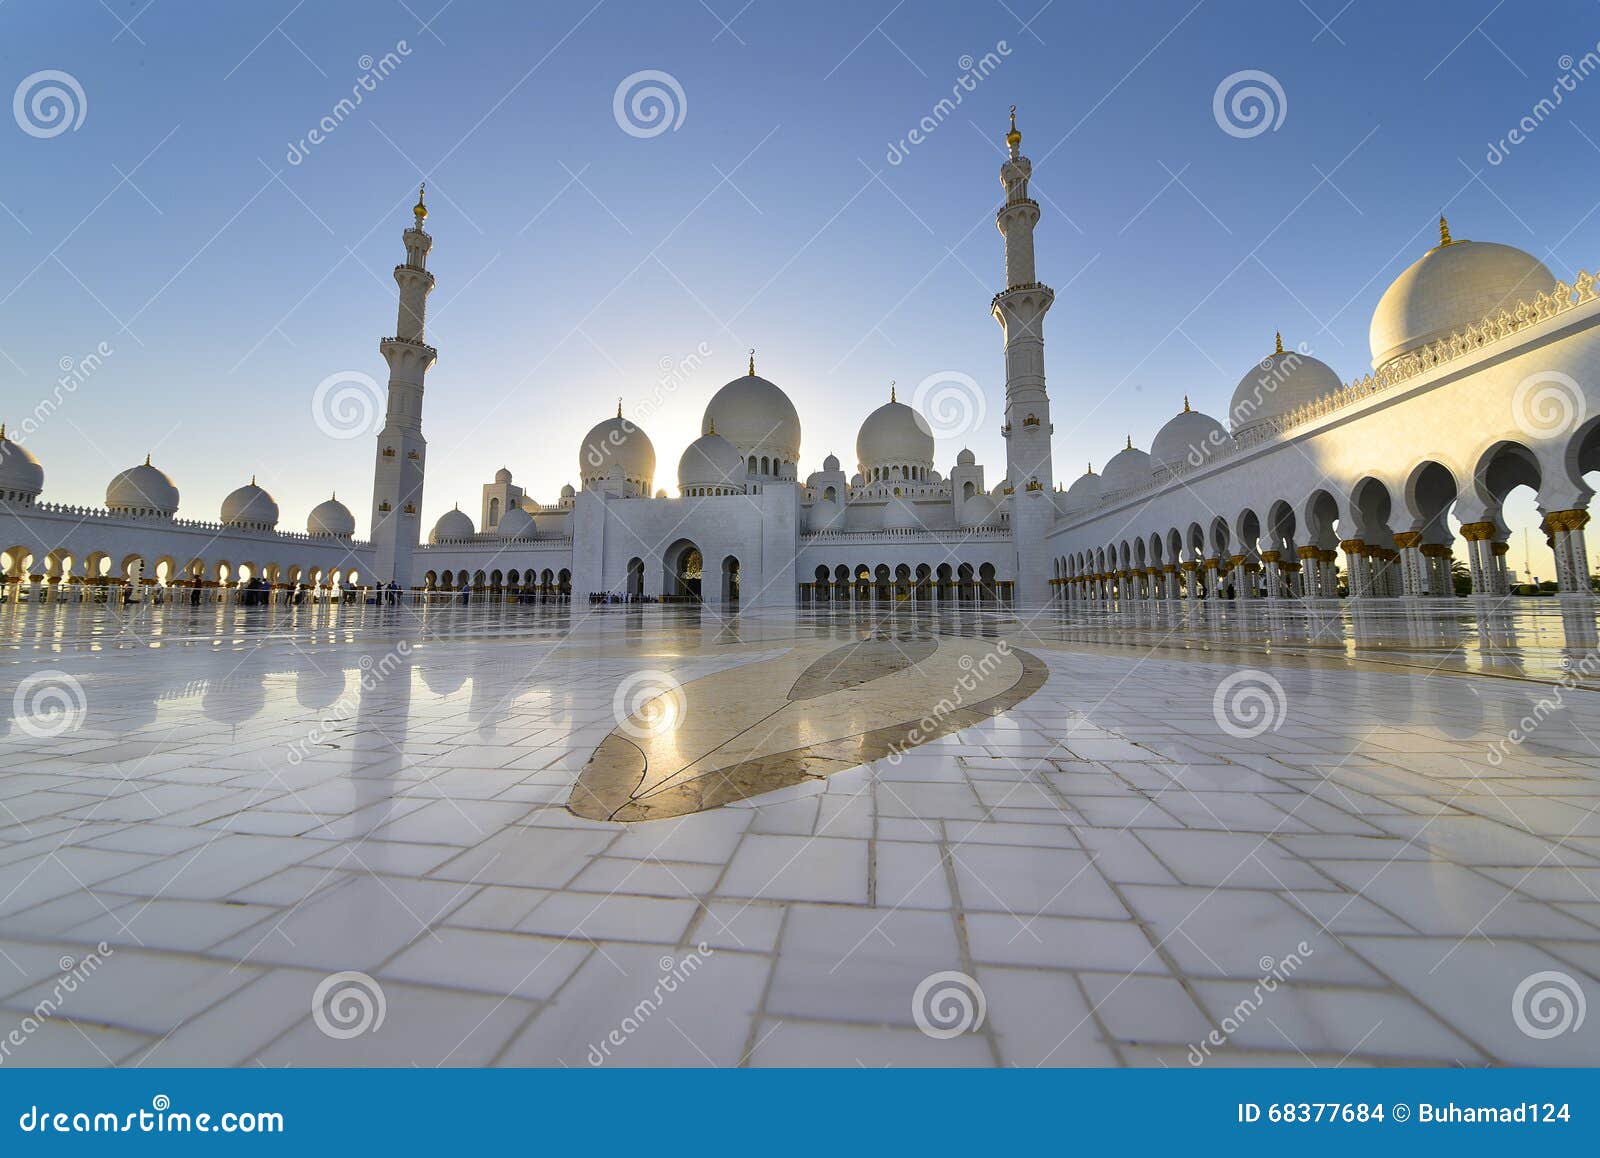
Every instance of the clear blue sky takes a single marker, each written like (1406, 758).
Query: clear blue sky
(573, 258)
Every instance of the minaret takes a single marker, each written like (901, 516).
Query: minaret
(1020, 310)
(402, 451)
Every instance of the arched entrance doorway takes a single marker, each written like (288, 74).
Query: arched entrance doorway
(684, 567)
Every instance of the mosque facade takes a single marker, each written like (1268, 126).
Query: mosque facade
(1484, 378)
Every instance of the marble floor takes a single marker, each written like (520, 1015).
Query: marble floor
(1209, 836)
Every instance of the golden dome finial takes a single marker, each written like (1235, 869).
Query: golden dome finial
(1444, 230)
(1278, 340)
(2, 431)
(420, 209)
(1186, 404)
(891, 390)
(1088, 468)
(252, 480)
(1130, 443)
(147, 458)
(711, 427)
(1013, 138)
(752, 361)
(619, 406)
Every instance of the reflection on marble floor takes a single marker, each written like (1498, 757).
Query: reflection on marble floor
(227, 813)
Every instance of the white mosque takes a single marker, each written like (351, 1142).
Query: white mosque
(1486, 378)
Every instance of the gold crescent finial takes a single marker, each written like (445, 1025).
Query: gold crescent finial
(1444, 230)
(1088, 468)
(1278, 338)
(1130, 443)
(1013, 138)
(147, 458)
(252, 480)
(752, 361)
(420, 209)
(711, 426)
(619, 406)
(1186, 404)
(891, 389)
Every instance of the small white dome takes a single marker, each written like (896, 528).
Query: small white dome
(1453, 285)
(331, 518)
(453, 524)
(567, 492)
(1189, 437)
(756, 417)
(1129, 467)
(142, 489)
(894, 433)
(502, 475)
(711, 461)
(516, 523)
(966, 458)
(617, 443)
(831, 463)
(1280, 382)
(857, 481)
(250, 506)
(19, 470)
(899, 515)
(1084, 494)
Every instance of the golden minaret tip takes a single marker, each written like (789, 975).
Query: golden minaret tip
(420, 209)
(1013, 138)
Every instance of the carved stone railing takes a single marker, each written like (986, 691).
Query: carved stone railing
(906, 533)
(82, 514)
(490, 541)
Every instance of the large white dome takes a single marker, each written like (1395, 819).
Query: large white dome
(453, 524)
(1189, 437)
(251, 507)
(142, 489)
(20, 472)
(894, 435)
(1453, 285)
(617, 442)
(331, 518)
(711, 461)
(1129, 467)
(900, 515)
(757, 418)
(1278, 384)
